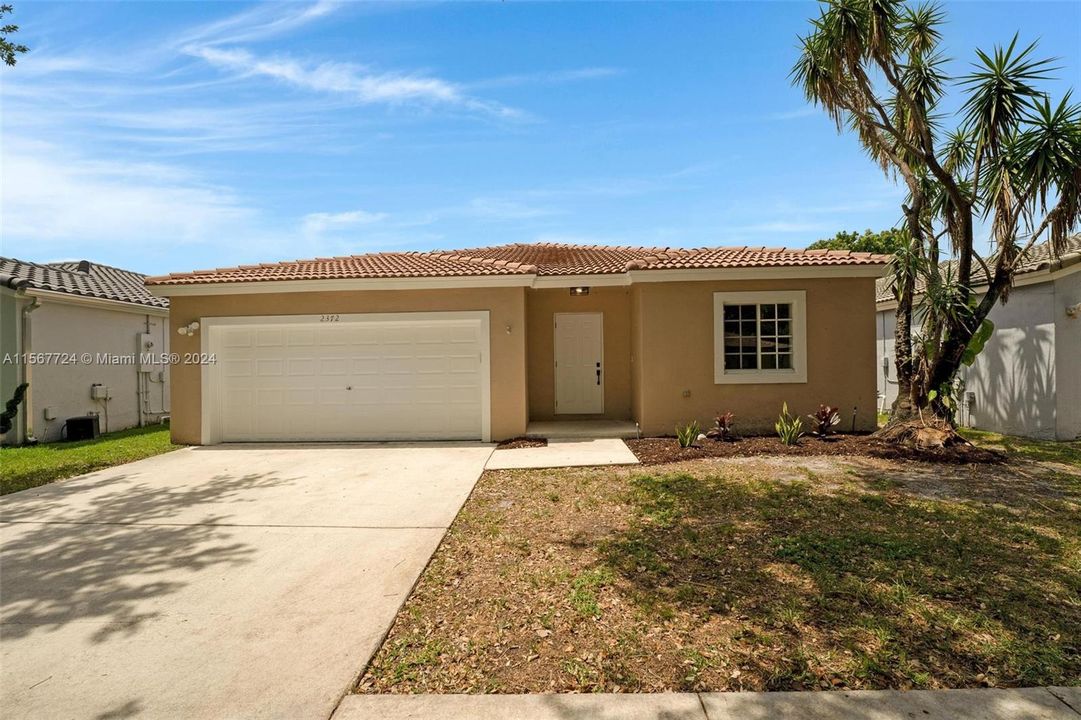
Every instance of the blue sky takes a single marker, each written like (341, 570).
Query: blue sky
(174, 136)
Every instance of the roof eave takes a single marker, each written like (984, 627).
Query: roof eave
(94, 301)
(177, 287)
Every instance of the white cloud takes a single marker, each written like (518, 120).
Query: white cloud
(315, 224)
(63, 202)
(349, 79)
(261, 22)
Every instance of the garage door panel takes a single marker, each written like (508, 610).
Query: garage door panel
(269, 367)
(234, 338)
(301, 367)
(334, 366)
(331, 396)
(353, 380)
(300, 396)
(300, 337)
(269, 338)
(236, 368)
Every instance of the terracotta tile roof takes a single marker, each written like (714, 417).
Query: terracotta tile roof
(520, 259)
(741, 257)
(80, 278)
(373, 265)
(1038, 258)
(564, 259)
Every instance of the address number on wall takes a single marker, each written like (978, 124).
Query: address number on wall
(330, 318)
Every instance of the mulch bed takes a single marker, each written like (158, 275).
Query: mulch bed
(522, 442)
(657, 451)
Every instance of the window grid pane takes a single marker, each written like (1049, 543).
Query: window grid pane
(758, 336)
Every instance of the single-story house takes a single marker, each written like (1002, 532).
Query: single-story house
(1027, 380)
(88, 338)
(479, 343)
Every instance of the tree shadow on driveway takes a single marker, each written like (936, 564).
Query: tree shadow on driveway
(113, 557)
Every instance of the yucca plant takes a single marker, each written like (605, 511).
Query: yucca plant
(723, 427)
(988, 149)
(687, 435)
(789, 427)
(824, 419)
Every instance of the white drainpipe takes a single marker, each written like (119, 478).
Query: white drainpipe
(27, 342)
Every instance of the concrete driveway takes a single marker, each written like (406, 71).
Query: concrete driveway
(236, 581)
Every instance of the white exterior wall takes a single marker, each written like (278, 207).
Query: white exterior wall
(63, 327)
(11, 306)
(1068, 356)
(1013, 379)
(885, 322)
(1027, 380)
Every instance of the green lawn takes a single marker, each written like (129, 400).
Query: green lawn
(27, 467)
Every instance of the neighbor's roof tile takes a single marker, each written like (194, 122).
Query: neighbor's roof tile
(94, 280)
(1038, 258)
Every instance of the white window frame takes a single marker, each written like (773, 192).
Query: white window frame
(797, 299)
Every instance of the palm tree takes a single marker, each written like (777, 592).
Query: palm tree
(1012, 159)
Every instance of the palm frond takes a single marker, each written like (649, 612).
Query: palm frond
(1001, 91)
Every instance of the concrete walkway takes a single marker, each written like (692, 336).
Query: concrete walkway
(223, 582)
(581, 429)
(564, 453)
(1022, 704)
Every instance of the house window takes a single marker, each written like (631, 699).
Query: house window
(760, 337)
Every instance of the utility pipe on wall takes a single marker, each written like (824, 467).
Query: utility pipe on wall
(27, 342)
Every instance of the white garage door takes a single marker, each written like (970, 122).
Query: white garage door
(404, 376)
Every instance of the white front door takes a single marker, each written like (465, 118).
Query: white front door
(579, 346)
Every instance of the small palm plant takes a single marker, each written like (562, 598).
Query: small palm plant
(687, 434)
(789, 427)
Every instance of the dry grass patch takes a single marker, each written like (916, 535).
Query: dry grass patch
(782, 574)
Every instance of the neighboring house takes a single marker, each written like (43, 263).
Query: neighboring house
(88, 332)
(1027, 380)
(474, 344)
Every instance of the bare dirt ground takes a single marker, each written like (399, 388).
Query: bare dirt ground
(773, 572)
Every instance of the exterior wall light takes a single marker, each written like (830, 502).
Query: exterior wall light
(579, 291)
(189, 329)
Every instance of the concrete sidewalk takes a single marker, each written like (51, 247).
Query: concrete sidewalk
(1027, 703)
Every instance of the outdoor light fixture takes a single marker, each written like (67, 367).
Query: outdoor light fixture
(579, 291)
(188, 329)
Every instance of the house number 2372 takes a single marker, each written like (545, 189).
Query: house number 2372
(330, 318)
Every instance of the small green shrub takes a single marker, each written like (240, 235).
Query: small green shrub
(789, 427)
(688, 434)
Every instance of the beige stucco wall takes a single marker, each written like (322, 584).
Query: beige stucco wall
(636, 353)
(677, 355)
(506, 307)
(614, 304)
